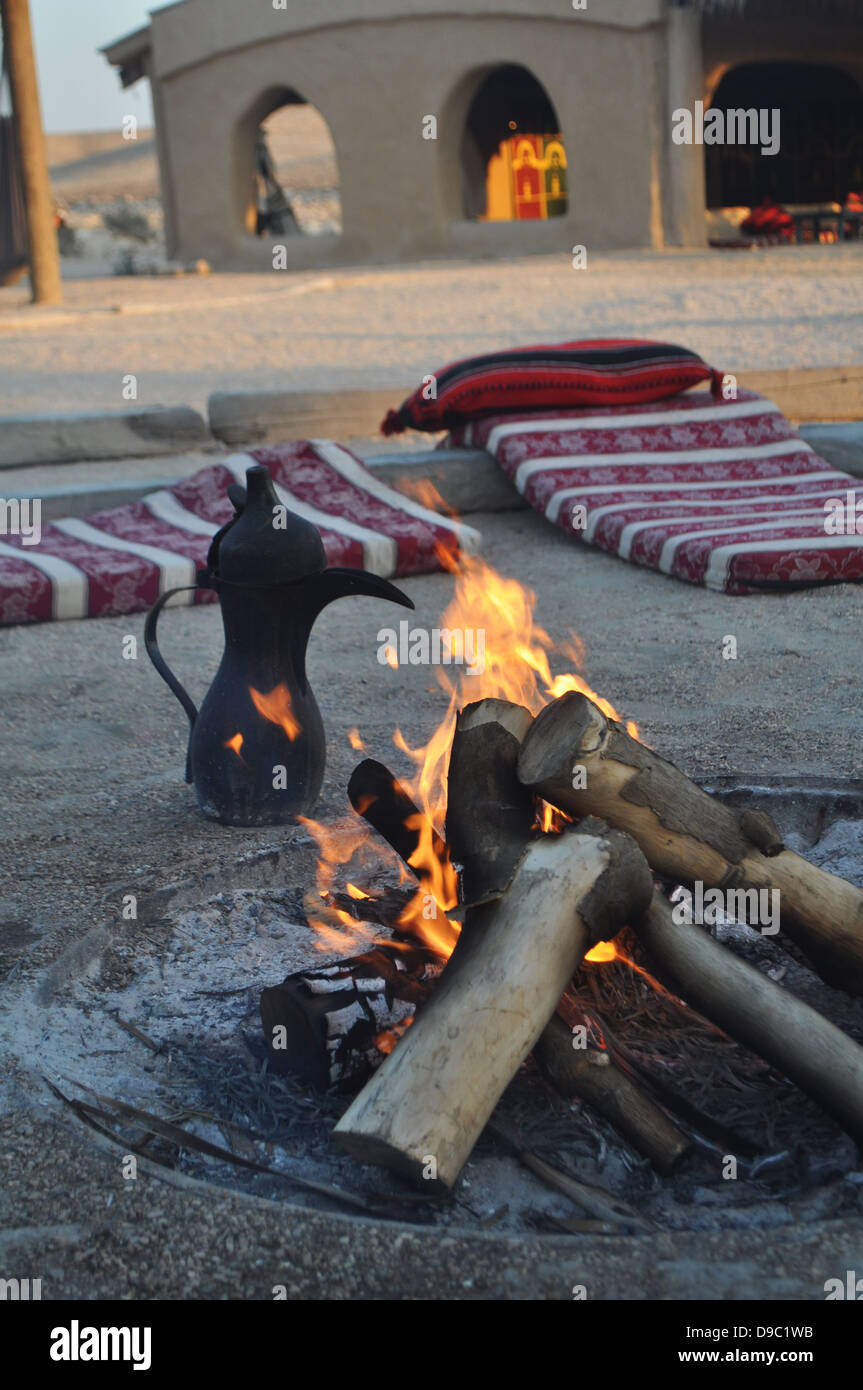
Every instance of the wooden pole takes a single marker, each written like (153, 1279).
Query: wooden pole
(44, 256)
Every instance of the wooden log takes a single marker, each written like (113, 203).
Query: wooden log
(794, 1038)
(383, 909)
(484, 754)
(586, 764)
(590, 1074)
(334, 1024)
(382, 800)
(489, 814)
(490, 819)
(424, 1108)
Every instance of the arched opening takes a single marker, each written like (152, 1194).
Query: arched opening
(513, 159)
(287, 176)
(820, 157)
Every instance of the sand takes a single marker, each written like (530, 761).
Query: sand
(183, 338)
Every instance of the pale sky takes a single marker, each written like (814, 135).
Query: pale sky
(79, 90)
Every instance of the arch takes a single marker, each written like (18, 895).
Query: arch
(285, 173)
(820, 158)
(511, 154)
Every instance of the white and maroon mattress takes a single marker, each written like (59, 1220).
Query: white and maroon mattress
(720, 493)
(121, 560)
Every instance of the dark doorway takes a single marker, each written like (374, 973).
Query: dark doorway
(820, 157)
(513, 158)
(286, 168)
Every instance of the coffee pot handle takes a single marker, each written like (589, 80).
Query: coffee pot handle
(162, 666)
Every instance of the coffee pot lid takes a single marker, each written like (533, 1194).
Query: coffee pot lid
(265, 543)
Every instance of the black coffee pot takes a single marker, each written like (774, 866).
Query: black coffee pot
(257, 748)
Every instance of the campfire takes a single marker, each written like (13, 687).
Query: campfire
(539, 832)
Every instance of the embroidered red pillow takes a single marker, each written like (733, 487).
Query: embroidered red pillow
(599, 371)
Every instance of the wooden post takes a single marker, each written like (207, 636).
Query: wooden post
(43, 254)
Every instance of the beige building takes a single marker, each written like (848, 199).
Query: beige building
(421, 95)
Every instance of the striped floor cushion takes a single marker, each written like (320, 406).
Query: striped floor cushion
(122, 559)
(724, 494)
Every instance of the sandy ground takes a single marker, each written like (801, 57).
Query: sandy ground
(183, 338)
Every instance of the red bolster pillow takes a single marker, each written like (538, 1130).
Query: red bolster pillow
(599, 371)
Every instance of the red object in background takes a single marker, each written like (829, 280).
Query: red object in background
(528, 178)
(769, 219)
(596, 372)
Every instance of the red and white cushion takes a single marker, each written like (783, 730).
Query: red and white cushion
(122, 559)
(720, 493)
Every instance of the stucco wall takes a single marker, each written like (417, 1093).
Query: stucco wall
(781, 31)
(374, 83)
(194, 31)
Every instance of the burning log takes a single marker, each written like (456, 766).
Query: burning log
(489, 821)
(336, 908)
(380, 798)
(794, 1038)
(424, 1109)
(490, 816)
(586, 764)
(335, 1024)
(592, 1076)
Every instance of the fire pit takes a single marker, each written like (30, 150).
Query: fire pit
(188, 991)
(658, 1125)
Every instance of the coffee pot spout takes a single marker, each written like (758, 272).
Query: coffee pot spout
(319, 590)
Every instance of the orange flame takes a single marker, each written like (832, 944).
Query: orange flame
(277, 708)
(517, 667)
(235, 743)
(355, 741)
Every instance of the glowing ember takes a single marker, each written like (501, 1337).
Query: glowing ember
(276, 707)
(356, 893)
(386, 1041)
(604, 952)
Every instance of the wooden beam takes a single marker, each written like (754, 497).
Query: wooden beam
(44, 254)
